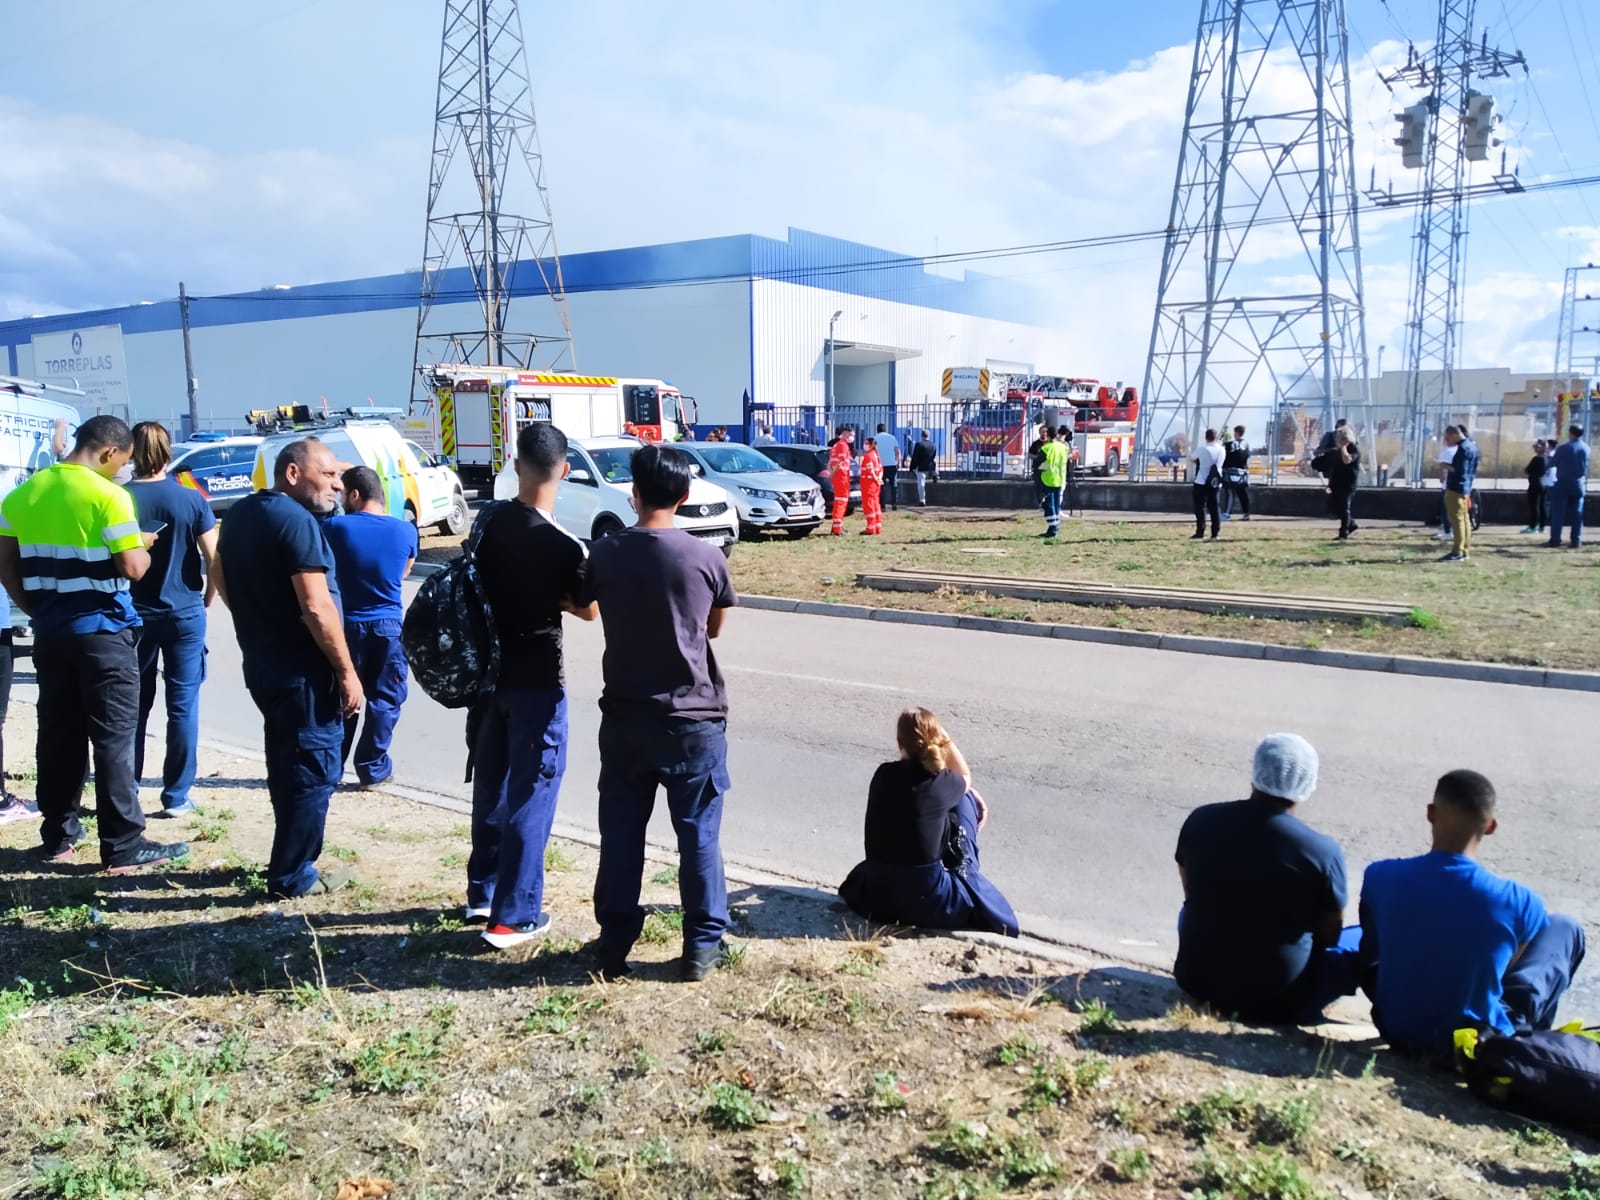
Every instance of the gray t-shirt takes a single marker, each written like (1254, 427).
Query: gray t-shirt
(656, 589)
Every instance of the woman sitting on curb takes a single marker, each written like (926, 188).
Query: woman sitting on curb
(923, 818)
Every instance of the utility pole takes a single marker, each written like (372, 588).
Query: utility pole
(484, 114)
(1441, 135)
(1265, 198)
(188, 359)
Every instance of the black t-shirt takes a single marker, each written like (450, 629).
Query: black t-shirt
(1535, 470)
(528, 565)
(1343, 476)
(1035, 457)
(1258, 881)
(267, 539)
(656, 589)
(908, 811)
(1236, 456)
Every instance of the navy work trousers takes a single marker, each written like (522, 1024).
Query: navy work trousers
(518, 761)
(1566, 507)
(639, 754)
(176, 644)
(88, 697)
(303, 730)
(1533, 987)
(381, 666)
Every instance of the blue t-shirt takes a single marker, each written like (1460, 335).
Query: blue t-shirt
(1258, 882)
(1571, 463)
(1443, 930)
(267, 538)
(175, 582)
(370, 552)
(1463, 474)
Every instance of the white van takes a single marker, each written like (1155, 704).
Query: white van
(415, 487)
(34, 431)
(595, 499)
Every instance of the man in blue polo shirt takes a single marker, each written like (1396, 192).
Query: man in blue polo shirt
(277, 578)
(372, 555)
(1450, 944)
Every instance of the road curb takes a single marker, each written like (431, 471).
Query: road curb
(1345, 660)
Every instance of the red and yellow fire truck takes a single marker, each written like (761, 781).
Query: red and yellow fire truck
(477, 411)
(994, 416)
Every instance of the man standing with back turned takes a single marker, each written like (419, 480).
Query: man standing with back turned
(372, 555)
(278, 579)
(1570, 462)
(69, 547)
(664, 715)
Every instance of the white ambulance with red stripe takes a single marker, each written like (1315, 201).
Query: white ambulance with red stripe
(477, 411)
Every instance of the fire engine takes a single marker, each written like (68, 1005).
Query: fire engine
(994, 416)
(477, 411)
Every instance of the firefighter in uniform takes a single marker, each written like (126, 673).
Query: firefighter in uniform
(872, 486)
(839, 459)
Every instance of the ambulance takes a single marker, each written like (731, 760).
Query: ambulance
(478, 410)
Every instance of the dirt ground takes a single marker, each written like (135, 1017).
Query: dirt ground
(176, 1034)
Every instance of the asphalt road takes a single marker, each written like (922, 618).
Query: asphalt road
(1090, 756)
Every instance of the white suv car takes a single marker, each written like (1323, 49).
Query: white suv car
(595, 499)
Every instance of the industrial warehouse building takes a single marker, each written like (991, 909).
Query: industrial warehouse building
(720, 318)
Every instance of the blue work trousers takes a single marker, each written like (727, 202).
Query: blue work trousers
(1533, 987)
(381, 666)
(639, 754)
(1050, 504)
(1566, 504)
(520, 756)
(303, 731)
(174, 644)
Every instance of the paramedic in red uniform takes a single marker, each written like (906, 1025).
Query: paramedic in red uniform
(872, 486)
(839, 459)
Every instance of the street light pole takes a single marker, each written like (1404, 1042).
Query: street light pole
(827, 407)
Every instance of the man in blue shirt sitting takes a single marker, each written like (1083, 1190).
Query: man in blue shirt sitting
(1459, 481)
(372, 555)
(1451, 944)
(1571, 465)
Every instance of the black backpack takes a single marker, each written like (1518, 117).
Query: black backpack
(1550, 1074)
(448, 635)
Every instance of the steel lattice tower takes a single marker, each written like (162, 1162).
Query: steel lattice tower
(1433, 327)
(1260, 297)
(486, 151)
(1571, 363)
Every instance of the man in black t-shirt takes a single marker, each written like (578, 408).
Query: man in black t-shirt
(664, 715)
(1260, 935)
(1236, 475)
(532, 571)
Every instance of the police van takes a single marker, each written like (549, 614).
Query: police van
(221, 467)
(416, 488)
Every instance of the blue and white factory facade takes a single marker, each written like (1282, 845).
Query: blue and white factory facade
(719, 318)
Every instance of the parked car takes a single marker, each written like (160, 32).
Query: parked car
(812, 462)
(415, 487)
(220, 467)
(595, 499)
(767, 496)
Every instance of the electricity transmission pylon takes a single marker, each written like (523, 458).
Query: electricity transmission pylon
(488, 210)
(1575, 366)
(1441, 135)
(1260, 297)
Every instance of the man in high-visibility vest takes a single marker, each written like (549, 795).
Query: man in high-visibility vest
(872, 486)
(1053, 478)
(839, 460)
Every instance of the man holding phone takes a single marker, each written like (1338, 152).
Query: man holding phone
(70, 547)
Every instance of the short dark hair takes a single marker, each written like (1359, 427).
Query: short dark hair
(1341, 421)
(842, 430)
(1211, 435)
(661, 475)
(296, 453)
(1238, 429)
(1575, 431)
(541, 449)
(363, 481)
(1469, 793)
(882, 428)
(1463, 431)
(104, 432)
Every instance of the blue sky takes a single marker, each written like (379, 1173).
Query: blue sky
(236, 146)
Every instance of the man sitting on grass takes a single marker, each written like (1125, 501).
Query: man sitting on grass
(1454, 945)
(1260, 934)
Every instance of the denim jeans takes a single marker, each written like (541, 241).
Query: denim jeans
(303, 730)
(177, 643)
(1566, 507)
(518, 761)
(381, 666)
(689, 759)
(88, 697)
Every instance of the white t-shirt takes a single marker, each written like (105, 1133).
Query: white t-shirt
(1207, 455)
(888, 449)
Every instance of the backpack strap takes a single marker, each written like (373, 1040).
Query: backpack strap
(480, 527)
